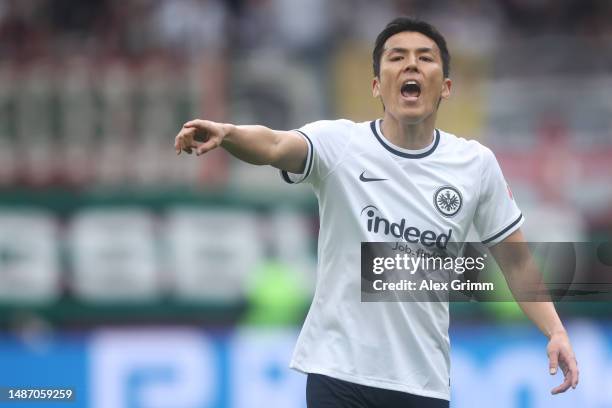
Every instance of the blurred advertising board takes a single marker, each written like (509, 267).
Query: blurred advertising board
(492, 365)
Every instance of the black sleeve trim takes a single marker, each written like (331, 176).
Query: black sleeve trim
(310, 146)
(502, 232)
(308, 167)
(286, 177)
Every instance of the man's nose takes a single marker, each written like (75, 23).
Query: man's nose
(411, 63)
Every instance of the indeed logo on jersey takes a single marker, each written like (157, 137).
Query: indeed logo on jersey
(379, 225)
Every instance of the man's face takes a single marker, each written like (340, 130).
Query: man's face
(411, 80)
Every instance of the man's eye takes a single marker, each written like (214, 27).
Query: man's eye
(398, 58)
(427, 59)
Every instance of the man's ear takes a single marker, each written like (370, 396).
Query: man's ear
(375, 87)
(446, 88)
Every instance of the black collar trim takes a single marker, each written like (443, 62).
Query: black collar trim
(393, 150)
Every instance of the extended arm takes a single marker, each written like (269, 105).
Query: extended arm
(518, 266)
(254, 144)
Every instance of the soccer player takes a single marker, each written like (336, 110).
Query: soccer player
(400, 168)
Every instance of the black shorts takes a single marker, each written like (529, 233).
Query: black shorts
(328, 392)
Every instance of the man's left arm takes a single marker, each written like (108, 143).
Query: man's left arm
(515, 260)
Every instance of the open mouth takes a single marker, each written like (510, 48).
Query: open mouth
(410, 89)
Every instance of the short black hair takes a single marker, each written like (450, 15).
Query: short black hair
(402, 24)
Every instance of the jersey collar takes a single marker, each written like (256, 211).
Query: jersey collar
(408, 154)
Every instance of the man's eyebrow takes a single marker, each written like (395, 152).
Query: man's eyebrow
(403, 50)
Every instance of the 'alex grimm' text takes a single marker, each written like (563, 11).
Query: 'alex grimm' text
(430, 285)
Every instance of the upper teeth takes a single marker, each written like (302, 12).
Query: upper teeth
(411, 82)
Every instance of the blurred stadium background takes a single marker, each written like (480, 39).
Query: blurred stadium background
(143, 279)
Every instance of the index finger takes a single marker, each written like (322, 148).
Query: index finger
(199, 123)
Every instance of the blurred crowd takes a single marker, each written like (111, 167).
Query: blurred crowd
(138, 28)
(93, 92)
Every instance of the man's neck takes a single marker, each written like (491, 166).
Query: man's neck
(413, 136)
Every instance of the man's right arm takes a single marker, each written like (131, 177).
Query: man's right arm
(285, 150)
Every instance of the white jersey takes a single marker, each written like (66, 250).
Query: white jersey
(358, 175)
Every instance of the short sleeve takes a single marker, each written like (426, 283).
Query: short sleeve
(497, 215)
(327, 141)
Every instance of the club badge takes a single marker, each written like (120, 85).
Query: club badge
(448, 200)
